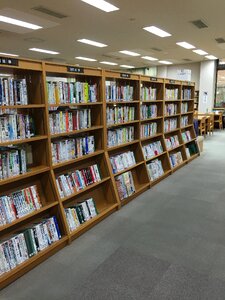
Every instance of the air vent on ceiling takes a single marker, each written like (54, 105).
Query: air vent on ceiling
(156, 49)
(199, 24)
(187, 59)
(49, 12)
(220, 40)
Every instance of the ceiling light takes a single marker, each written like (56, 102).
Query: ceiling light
(85, 58)
(9, 54)
(149, 58)
(185, 45)
(43, 51)
(108, 63)
(211, 57)
(101, 4)
(92, 43)
(165, 62)
(19, 23)
(200, 52)
(129, 53)
(157, 31)
(127, 67)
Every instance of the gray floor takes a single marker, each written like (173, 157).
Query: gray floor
(169, 243)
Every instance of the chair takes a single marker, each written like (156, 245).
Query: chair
(210, 123)
(201, 126)
(218, 120)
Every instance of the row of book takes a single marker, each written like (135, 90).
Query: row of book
(116, 92)
(19, 204)
(13, 91)
(122, 161)
(155, 169)
(65, 90)
(27, 243)
(176, 159)
(120, 114)
(184, 107)
(148, 111)
(149, 129)
(125, 185)
(171, 93)
(148, 93)
(191, 149)
(186, 136)
(66, 121)
(13, 161)
(71, 148)
(170, 124)
(80, 213)
(77, 180)
(184, 121)
(170, 109)
(16, 126)
(152, 149)
(186, 94)
(120, 136)
(172, 142)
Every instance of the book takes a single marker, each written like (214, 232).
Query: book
(117, 91)
(122, 161)
(120, 114)
(152, 149)
(125, 185)
(120, 136)
(149, 129)
(155, 169)
(148, 111)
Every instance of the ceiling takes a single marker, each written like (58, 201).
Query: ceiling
(120, 30)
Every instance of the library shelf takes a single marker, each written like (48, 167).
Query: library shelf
(75, 104)
(171, 116)
(68, 133)
(27, 106)
(156, 156)
(128, 169)
(123, 124)
(150, 137)
(187, 126)
(172, 100)
(122, 145)
(187, 142)
(151, 119)
(121, 102)
(22, 141)
(171, 131)
(154, 182)
(174, 148)
(151, 101)
(187, 113)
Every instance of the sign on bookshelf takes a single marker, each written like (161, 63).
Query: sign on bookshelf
(75, 69)
(172, 81)
(9, 61)
(124, 75)
(153, 78)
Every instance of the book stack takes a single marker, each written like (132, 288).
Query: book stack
(19, 204)
(13, 161)
(171, 93)
(13, 91)
(186, 136)
(170, 124)
(65, 90)
(183, 121)
(170, 109)
(77, 180)
(176, 159)
(66, 149)
(120, 136)
(116, 92)
(155, 169)
(125, 185)
(148, 93)
(80, 213)
(27, 243)
(66, 121)
(152, 149)
(184, 107)
(186, 94)
(148, 111)
(191, 149)
(120, 114)
(16, 126)
(149, 129)
(122, 161)
(172, 142)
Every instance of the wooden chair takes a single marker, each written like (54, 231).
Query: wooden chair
(202, 125)
(218, 120)
(210, 123)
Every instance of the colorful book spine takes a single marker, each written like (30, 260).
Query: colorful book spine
(120, 136)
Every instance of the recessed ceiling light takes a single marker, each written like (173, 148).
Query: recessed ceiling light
(92, 43)
(127, 67)
(43, 51)
(127, 52)
(108, 63)
(200, 52)
(101, 4)
(85, 58)
(211, 57)
(149, 58)
(185, 45)
(165, 62)
(8, 54)
(157, 31)
(19, 23)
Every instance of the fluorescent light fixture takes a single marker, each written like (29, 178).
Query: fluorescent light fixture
(108, 63)
(101, 4)
(85, 58)
(43, 51)
(127, 52)
(211, 57)
(19, 23)
(5, 75)
(92, 43)
(8, 54)
(157, 31)
(127, 67)
(185, 45)
(200, 52)
(165, 62)
(149, 58)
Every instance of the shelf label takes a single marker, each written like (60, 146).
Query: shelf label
(9, 61)
(172, 81)
(153, 78)
(124, 75)
(75, 69)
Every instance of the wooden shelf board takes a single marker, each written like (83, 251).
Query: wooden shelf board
(169, 150)
(171, 116)
(128, 169)
(154, 157)
(192, 140)
(74, 104)
(151, 137)
(173, 130)
(189, 125)
(146, 101)
(188, 99)
(22, 106)
(28, 140)
(178, 166)
(151, 119)
(173, 100)
(187, 113)
(123, 124)
(53, 136)
(122, 102)
(141, 189)
(122, 145)
(193, 157)
(154, 182)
